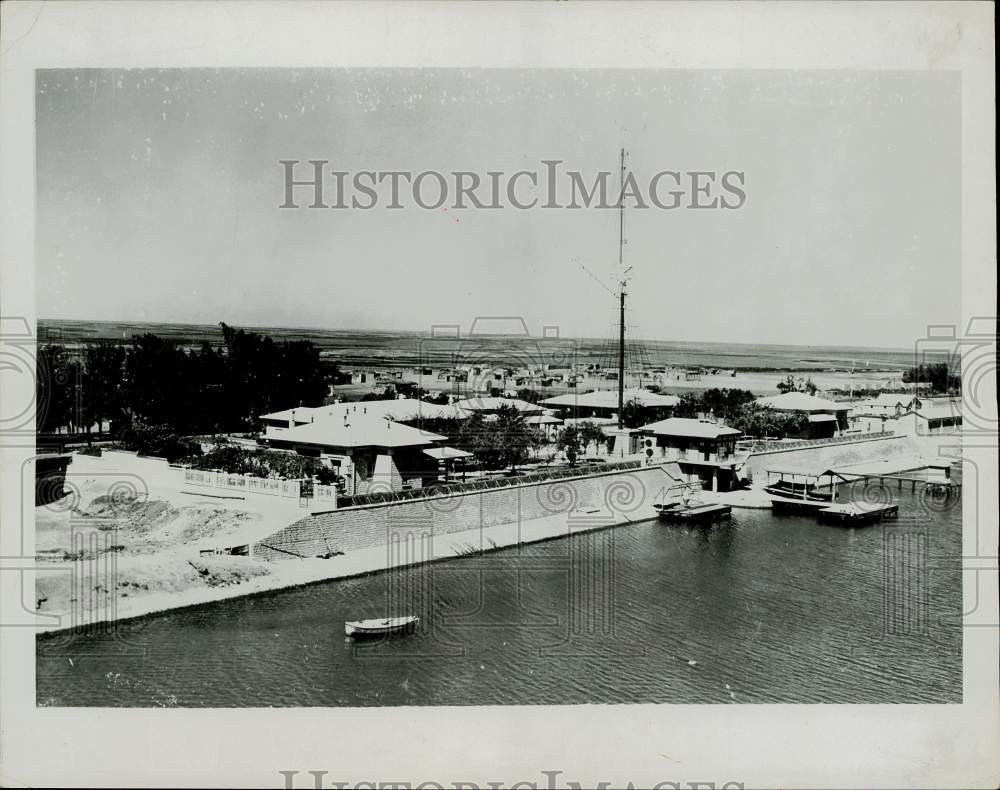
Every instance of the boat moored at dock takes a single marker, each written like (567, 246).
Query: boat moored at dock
(801, 492)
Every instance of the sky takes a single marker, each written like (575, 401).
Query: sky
(158, 195)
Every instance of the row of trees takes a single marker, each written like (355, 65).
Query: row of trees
(725, 404)
(938, 374)
(574, 439)
(739, 410)
(262, 463)
(504, 440)
(153, 385)
(496, 442)
(797, 384)
(760, 421)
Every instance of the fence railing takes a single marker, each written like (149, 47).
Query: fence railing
(324, 494)
(269, 486)
(485, 484)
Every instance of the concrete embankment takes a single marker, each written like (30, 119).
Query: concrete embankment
(375, 539)
(824, 456)
(348, 529)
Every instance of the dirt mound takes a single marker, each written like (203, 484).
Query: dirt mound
(136, 513)
(97, 584)
(161, 522)
(197, 522)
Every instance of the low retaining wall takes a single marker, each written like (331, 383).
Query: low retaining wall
(629, 493)
(817, 457)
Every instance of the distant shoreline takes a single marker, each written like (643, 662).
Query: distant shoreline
(315, 330)
(393, 349)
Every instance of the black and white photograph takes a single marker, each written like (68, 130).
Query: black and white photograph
(440, 390)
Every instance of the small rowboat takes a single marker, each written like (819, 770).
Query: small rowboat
(391, 625)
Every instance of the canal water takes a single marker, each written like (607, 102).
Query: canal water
(761, 608)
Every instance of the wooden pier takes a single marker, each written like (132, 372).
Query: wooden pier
(943, 484)
(707, 512)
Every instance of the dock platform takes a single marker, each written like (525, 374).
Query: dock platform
(857, 513)
(707, 512)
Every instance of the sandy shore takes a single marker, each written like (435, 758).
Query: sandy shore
(263, 577)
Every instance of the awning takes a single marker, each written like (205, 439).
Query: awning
(822, 418)
(446, 453)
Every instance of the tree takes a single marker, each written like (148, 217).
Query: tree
(387, 394)
(633, 414)
(104, 366)
(500, 442)
(800, 384)
(757, 420)
(206, 405)
(154, 377)
(452, 427)
(56, 388)
(516, 437)
(938, 374)
(570, 442)
(250, 363)
(301, 379)
(262, 376)
(161, 441)
(590, 432)
(529, 395)
(723, 403)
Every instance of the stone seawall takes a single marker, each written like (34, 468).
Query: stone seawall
(813, 459)
(626, 492)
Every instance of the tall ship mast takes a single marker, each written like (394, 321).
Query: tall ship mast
(622, 284)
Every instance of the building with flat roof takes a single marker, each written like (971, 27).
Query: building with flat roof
(397, 409)
(491, 405)
(364, 441)
(826, 417)
(369, 453)
(933, 416)
(886, 404)
(604, 403)
(700, 448)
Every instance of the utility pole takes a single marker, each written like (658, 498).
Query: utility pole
(621, 330)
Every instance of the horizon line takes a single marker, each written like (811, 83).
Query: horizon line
(256, 327)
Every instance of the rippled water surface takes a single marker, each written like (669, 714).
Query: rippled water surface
(762, 608)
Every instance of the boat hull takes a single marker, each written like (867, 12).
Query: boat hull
(360, 629)
(788, 492)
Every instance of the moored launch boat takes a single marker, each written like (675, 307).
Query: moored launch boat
(789, 490)
(801, 492)
(390, 625)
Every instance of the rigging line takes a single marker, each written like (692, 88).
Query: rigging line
(596, 280)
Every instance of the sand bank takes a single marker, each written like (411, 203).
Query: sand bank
(220, 578)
